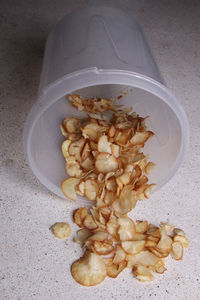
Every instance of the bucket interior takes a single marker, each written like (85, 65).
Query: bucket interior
(45, 154)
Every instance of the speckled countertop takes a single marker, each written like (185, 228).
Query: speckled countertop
(34, 264)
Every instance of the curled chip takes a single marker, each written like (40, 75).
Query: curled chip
(142, 273)
(140, 138)
(65, 148)
(79, 216)
(72, 125)
(68, 187)
(177, 250)
(182, 239)
(89, 270)
(61, 230)
(103, 248)
(113, 270)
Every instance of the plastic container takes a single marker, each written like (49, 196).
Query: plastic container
(101, 51)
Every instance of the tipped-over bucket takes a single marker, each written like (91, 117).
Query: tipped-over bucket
(101, 51)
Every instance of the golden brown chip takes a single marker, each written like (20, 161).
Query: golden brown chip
(139, 237)
(111, 131)
(65, 148)
(102, 248)
(89, 222)
(88, 163)
(113, 270)
(99, 236)
(133, 247)
(74, 136)
(106, 163)
(126, 229)
(61, 230)
(146, 258)
(149, 167)
(89, 270)
(109, 197)
(68, 187)
(79, 215)
(177, 250)
(131, 260)
(120, 255)
(74, 170)
(82, 235)
(178, 231)
(71, 124)
(159, 254)
(140, 138)
(141, 226)
(91, 189)
(63, 131)
(115, 149)
(111, 184)
(159, 267)
(142, 273)
(126, 201)
(182, 239)
(89, 133)
(104, 145)
(112, 227)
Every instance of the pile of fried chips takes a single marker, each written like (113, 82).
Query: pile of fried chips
(105, 162)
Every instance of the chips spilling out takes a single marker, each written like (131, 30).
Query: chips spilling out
(120, 245)
(105, 162)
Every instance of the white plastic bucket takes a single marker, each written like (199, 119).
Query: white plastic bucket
(101, 51)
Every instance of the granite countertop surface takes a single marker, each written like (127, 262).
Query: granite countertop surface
(34, 264)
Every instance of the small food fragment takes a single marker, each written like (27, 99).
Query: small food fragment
(68, 187)
(89, 270)
(177, 250)
(61, 230)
